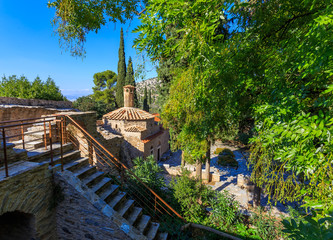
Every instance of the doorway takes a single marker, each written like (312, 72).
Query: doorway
(17, 226)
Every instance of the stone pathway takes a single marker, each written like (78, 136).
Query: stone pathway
(228, 179)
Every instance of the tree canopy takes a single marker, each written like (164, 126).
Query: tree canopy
(270, 60)
(21, 87)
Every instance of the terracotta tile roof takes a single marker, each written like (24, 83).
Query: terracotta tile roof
(135, 129)
(129, 86)
(148, 139)
(128, 113)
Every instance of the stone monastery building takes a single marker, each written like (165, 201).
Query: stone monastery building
(139, 128)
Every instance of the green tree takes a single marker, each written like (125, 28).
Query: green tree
(105, 87)
(22, 88)
(130, 79)
(145, 105)
(89, 103)
(121, 78)
(149, 97)
(270, 60)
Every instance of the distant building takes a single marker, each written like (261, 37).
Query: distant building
(139, 128)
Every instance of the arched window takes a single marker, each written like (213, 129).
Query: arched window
(152, 150)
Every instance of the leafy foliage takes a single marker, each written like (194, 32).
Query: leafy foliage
(225, 210)
(149, 172)
(192, 196)
(89, 103)
(22, 88)
(267, 227)
(104, 89)
(320, 229)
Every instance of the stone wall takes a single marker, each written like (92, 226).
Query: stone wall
(77, 218)
(35, 102)
(31, 191)
(158, 143)
(87, 120)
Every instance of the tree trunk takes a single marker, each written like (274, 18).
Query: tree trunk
(199, 170)
(207, 171)
(256, 196)
(183, 160)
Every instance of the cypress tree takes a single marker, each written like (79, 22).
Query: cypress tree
(121, 72)
(149, 96)
(130, 79)
(145, 100)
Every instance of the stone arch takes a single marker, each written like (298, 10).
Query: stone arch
(17, 225)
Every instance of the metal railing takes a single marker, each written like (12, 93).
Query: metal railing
(144, 196)
(45, 134)
(57, 128)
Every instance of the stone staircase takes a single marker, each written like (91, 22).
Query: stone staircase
(35, 135)
(96, 181)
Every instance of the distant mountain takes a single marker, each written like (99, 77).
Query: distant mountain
(151, 84)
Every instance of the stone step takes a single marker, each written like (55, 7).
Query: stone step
(126, 208)
(39, 136)
(101, 185)
(93, 179)
(162, 236)
(84, 171)
(67, 157)
(29, 145)
(152, 230)
(40, 126)
(117, 200)
(143, 223)
(39, 154)
(8, 145)
(109, 193)
(134, 215)
(77, 164)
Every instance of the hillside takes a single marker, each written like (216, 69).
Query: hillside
(151, 84)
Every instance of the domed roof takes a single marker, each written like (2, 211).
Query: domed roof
(128, 113)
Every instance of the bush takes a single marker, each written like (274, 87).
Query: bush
(192, 196)
(225, 210)
(309, 228)
(218, 150)
(267, 227)
(149, 172)
(227, 158)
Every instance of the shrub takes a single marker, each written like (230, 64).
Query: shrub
(267, 227)
(149, 172)
(309, 228)
(225, 210)
(227, 160)
(218, 150)
(192, 196)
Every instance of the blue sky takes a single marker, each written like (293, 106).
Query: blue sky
(29, 47)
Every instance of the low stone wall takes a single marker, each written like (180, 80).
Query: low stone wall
(176, 171)
(35, 102)
(31, 192)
